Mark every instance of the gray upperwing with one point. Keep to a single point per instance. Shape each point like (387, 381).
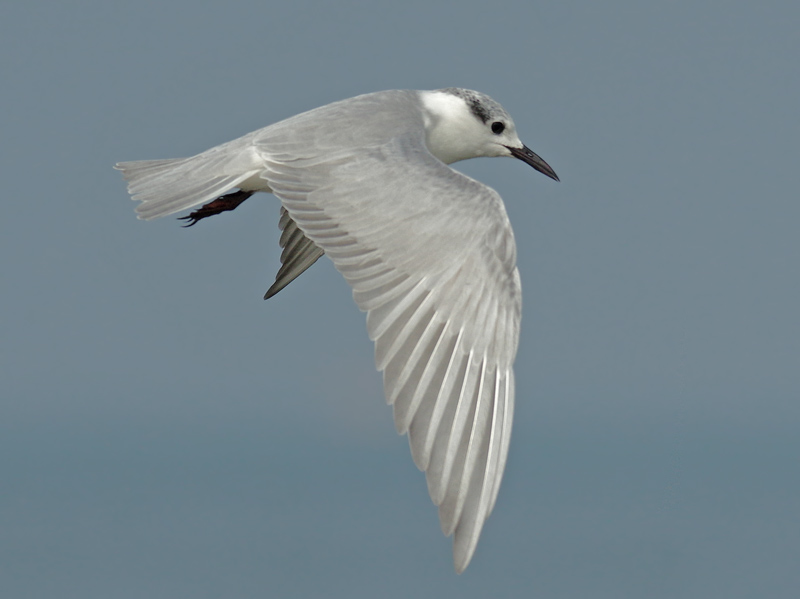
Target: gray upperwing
(299, 252)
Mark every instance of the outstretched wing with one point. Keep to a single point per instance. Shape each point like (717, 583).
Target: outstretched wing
(430, 256)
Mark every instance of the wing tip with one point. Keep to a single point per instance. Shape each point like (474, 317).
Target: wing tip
(462, 554)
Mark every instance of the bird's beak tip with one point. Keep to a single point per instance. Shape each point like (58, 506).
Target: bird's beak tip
(528, 156)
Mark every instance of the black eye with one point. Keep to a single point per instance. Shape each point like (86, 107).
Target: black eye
(498, 127)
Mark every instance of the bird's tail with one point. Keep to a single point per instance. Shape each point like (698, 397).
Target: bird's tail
(167, 186)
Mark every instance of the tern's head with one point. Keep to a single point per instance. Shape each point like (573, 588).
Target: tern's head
(462, 123)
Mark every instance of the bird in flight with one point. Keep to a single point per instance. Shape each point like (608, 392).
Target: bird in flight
(428, 252)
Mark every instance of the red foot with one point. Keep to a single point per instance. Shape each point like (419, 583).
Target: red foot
(222, 204)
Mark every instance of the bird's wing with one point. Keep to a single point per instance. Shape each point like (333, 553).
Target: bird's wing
(299, 252)
(430, 256)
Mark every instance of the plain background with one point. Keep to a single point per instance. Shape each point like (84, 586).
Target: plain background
(164, 432)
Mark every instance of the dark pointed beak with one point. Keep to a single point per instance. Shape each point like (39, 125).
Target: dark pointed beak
(530, 157)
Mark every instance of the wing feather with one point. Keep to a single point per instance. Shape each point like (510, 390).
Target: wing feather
(483, 451)
(468, 471)
(425, 426)
(402, 396)
(298, 254)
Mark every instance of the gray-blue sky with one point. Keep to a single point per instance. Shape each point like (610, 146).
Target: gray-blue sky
(166, 433)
